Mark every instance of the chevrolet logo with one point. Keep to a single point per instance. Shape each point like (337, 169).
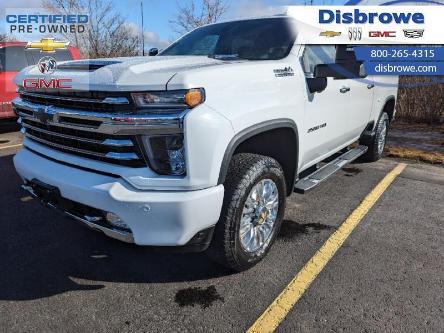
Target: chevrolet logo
(43, 115)
(330, 33)
(48, 45)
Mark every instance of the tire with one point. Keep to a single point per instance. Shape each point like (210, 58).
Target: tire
(377, 144)
(247, 175)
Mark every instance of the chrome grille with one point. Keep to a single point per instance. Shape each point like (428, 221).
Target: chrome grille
(121, 150)
(84, 100)
(89, 124)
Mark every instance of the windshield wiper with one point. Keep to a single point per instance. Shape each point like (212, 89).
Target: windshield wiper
(225, 56)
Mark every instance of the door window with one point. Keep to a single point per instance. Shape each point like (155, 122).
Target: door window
(317, 54)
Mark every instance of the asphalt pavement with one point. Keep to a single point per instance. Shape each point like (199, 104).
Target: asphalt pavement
(57, 276)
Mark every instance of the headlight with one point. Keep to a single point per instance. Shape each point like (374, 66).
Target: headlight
(166, 154)
(170, 99)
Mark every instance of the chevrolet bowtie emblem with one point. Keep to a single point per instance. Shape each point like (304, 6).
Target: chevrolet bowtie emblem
(330, 33)
(48, 45)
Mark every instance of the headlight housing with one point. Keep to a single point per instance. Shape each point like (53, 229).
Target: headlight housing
(173, 99)
(166, 154)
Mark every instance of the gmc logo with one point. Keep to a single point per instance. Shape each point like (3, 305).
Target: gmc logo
(36, 83)
(382, 34)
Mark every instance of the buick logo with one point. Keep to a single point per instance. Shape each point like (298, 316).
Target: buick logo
(355, 33)
(413, 33)
(47, 65)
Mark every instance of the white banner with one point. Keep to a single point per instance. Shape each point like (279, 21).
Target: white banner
(369, 24)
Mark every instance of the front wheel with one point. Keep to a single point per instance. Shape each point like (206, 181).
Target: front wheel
(377, 144)
(252, 212)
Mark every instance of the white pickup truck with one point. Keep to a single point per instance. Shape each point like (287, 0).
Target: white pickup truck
(198, 147)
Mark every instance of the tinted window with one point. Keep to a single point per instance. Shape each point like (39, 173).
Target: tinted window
(33, 56)
(12, 59)
(317, 54)
(15, 58)
(261, 39)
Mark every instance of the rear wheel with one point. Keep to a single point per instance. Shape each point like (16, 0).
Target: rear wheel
(252, 212)
(377, 143)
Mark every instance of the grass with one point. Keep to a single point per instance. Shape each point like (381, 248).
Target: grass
(415, 154)
(419, 127)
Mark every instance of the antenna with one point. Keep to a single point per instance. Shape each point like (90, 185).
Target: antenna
(143, 30)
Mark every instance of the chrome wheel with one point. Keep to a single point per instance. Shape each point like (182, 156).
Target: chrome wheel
(259, 216)
(382, 138)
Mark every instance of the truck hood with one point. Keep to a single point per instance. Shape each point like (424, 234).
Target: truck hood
(121, 74)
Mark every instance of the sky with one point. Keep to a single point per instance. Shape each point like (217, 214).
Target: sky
(158, 13)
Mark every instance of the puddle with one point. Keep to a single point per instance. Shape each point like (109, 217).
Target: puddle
(198, 296)
(352, 171)
(291, 230)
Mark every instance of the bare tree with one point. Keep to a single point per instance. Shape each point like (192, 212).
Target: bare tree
(189, 17)
(106, 34)
(7, 38)
(420, 99)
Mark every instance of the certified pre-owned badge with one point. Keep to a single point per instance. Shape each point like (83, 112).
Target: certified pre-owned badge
(355, 33)
(413, 33)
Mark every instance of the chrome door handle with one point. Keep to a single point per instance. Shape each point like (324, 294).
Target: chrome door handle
(370, 86)
(343, 90)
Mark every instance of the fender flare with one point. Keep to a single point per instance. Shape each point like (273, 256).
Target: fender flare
(251, 131)
(388, 99)
(369, 131)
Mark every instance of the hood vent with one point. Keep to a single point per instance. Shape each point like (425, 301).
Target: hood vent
(86, 65)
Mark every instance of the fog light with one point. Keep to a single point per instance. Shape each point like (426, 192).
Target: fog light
(166, 154)
(116, 221)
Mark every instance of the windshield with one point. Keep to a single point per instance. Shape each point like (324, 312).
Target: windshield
(259, 39)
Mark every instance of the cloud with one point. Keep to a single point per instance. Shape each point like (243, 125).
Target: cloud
(152, 39)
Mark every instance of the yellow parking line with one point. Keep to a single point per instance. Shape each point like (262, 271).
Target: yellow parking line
(9, 147)
(280, 307)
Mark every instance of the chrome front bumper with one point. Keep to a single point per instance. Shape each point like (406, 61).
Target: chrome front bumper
(153, 218)
(87, 220)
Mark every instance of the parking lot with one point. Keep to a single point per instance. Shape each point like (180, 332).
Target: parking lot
(388, 276)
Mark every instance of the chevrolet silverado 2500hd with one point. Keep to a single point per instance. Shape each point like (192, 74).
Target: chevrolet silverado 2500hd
(199, 146)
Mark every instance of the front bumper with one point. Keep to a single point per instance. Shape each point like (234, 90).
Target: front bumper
(155, 218)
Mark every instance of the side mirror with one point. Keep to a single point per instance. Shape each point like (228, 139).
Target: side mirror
(325, 70)
(153, 52)
(316, 84)
(340, 70)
